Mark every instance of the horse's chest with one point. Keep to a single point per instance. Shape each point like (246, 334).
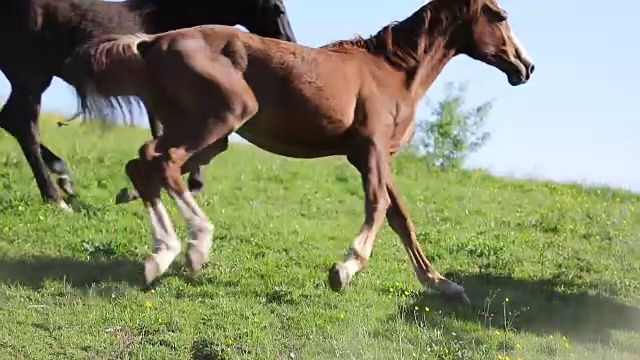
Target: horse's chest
(403, 125)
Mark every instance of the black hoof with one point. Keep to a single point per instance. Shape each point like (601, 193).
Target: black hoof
(336, 279)
(195, 185)
(125, 195)
(66, 185)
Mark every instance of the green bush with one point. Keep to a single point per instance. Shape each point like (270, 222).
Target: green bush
(452, 132)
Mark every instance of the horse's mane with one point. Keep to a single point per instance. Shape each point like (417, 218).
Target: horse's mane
(403, 43)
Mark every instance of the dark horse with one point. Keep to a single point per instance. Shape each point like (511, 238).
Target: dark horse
(354, 98)
(43, 33)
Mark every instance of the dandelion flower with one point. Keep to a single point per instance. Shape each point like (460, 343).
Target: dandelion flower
(147, 304)
(229, 342)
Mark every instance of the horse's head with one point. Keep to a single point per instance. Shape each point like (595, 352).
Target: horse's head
(485, 35)
(270, 20)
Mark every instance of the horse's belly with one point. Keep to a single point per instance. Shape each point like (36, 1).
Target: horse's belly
(299, 139)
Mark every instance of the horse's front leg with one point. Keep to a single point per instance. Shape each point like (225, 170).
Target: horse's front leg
(371, 161)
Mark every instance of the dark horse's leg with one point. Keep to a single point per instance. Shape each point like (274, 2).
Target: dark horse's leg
(194, 180)
(19, 116)
(57, 166)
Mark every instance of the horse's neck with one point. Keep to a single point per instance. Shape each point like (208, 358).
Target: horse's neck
(430, 45)
(430, 66)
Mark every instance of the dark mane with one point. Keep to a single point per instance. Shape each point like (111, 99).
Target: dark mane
(403, 43)
(87, 19)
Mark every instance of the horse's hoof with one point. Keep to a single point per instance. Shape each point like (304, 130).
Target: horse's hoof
(66, 208)
(196, 259)
(125, 195)
(339, 277)
(453, 292)
(151, 270)
(195, 186)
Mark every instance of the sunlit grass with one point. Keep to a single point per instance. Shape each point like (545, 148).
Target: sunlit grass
(552, 270)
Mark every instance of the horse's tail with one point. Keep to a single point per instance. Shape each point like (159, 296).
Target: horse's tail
(108, 73)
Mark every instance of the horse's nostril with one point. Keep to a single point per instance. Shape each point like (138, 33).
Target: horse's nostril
(532, 68)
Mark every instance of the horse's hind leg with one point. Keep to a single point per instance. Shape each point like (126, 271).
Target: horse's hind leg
(200, 227)
(157, 168)
(146, 175)
(126, 195)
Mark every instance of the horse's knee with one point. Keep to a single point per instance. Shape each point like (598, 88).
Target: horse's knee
(144, 179)
(195, 182)
(148, 150)
(131, 168)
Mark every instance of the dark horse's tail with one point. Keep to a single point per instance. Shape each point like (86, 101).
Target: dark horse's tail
(108, 74)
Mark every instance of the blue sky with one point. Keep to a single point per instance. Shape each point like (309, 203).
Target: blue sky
(574, 121)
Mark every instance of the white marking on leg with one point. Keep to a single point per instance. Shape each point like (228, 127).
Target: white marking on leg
(200, 227)
(63, 205)
(166, 245)
(355, 257)
(360, 251)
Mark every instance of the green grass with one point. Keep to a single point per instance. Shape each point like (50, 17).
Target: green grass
(566, 258)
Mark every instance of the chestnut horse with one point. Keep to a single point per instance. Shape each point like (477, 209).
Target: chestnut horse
(355, 98)
(38, 35)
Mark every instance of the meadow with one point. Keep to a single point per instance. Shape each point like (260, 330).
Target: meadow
(552, 270)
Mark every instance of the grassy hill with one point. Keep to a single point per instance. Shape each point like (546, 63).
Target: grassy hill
(553, 271)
